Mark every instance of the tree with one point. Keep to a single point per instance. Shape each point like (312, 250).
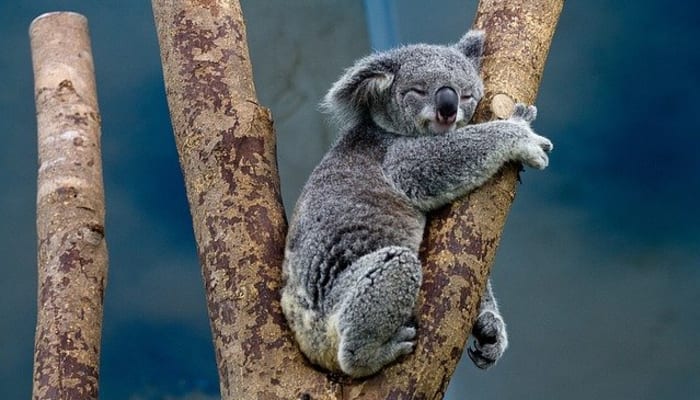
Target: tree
(226, 146)
(227, 152)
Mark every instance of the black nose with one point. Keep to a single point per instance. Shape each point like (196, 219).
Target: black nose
(446, 103)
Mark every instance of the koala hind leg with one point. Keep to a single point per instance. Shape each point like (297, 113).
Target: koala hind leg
(375, 317)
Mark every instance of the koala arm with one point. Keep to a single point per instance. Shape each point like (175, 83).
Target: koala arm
(434, 170)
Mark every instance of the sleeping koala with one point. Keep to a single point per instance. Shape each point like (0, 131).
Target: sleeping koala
(351, 266)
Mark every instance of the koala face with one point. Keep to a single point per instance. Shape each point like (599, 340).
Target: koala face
(435, 90)
(412, 90)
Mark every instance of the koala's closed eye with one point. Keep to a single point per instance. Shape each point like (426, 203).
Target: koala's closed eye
(466, 96)
(416, 90)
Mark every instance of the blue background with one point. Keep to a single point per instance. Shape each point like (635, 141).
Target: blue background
(598, 273)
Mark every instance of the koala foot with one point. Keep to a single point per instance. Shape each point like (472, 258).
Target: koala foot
(490, 339)
(375, 322)
(364, 359)
(532, 149)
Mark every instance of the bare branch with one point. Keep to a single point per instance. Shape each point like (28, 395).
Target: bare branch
(72, 254)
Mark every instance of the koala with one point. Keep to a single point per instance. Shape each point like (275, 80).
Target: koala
(351, 267)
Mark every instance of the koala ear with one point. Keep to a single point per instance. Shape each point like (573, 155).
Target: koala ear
(350, 97)
(472, 46)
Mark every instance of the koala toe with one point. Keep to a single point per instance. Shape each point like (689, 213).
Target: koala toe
(405, 333)
(546, 144)
(519, 111)
(524, 112)
(530, 114)
(403, 348)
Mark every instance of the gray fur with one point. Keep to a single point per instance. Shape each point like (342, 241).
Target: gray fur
(351, 262)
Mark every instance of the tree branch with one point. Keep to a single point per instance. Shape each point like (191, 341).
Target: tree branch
(226, 146)
(72, 254)
(227, 153)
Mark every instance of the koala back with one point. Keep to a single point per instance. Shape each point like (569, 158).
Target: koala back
(347, 209)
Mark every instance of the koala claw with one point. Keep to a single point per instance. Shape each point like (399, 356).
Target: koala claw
(490, 340)
(404, 348)
(524, 112)
(545, 144)
(405, 333)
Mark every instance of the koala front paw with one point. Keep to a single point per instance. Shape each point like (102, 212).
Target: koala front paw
(534, 151)
(524, 112)
(490, 340)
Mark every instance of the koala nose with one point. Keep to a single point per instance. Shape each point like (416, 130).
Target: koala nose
(446, 104)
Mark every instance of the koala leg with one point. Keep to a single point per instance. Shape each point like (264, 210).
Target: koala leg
(489, 331)
(375, 317)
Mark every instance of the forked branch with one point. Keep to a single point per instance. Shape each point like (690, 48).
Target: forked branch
(227, 152)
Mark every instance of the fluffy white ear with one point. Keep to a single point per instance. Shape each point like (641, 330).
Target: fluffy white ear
(350, 97)
(472, 46)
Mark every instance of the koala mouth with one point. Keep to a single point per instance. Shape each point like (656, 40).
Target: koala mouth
(446, 120)
(430, 121)
(439, 125)
(443, 126)
(434, 125)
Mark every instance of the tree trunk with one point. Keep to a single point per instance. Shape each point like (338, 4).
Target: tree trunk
(227, 152)
(226, 146)
(72, 254)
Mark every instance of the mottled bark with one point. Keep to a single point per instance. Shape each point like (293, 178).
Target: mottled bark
(226, 146)
(72, 254)
(227, 152)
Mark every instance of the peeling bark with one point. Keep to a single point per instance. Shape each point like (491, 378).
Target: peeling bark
(72, 253)
(227, 152)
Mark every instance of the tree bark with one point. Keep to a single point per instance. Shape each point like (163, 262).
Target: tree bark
(227, 152)
(72, 253)
(226, 147)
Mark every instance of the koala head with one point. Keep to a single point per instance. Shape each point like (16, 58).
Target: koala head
(412, 90)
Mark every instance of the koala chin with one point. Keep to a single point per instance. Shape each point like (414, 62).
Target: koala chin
(405, 147)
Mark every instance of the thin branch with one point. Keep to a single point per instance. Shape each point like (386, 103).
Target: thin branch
(72, 253)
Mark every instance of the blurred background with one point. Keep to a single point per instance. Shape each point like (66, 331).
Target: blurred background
(598, 273)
